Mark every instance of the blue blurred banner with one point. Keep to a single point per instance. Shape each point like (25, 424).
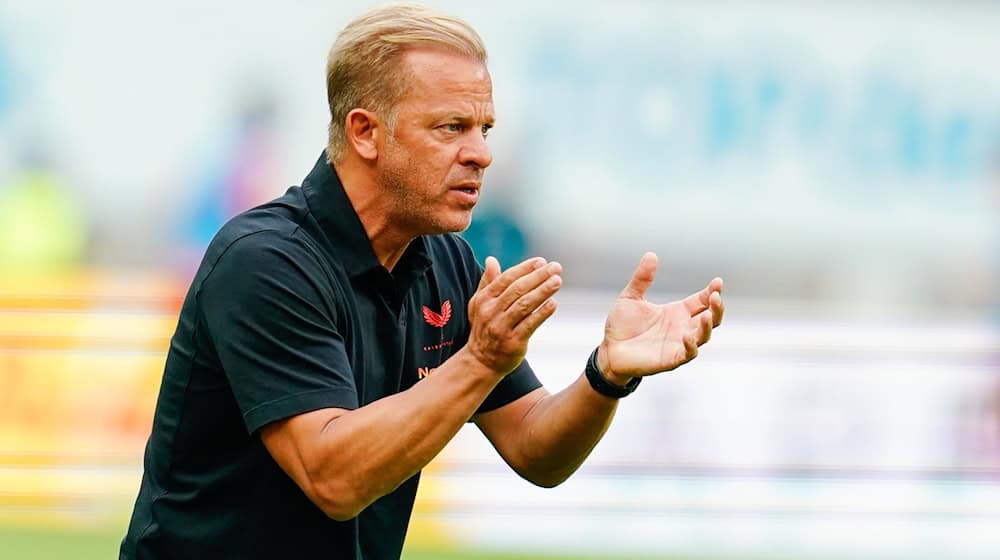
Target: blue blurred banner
(808, 151)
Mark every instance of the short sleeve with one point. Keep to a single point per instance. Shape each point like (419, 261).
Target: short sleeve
(267, 307)
(518, 383)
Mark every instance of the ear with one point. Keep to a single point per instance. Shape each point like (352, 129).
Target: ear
(362, 128)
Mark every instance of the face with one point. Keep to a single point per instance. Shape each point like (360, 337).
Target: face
(431, 164)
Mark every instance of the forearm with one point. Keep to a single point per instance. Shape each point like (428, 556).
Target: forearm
(560, 431)
(346, 459)
(545, 438)
(366, 453)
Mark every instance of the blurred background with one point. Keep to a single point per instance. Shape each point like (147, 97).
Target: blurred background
(838, 164)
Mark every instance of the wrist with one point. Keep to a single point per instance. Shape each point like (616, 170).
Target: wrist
(602, 383)
(607, 372)
(479, 365)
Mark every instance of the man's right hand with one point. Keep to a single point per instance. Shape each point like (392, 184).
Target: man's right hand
(507, 308)
(346, 459)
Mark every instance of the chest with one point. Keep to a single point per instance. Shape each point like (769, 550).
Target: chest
(395, 340)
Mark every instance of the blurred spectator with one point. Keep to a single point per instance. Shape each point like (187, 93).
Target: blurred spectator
(41, 226)
(239, 174)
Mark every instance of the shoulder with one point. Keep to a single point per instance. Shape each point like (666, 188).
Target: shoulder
(254, 252)
(269, 247)
(275, 223)
(265, 275)
(274, 230)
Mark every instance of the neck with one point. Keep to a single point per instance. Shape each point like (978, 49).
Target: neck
(374, 211)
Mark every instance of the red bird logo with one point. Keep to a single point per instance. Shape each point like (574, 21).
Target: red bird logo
(438, 319)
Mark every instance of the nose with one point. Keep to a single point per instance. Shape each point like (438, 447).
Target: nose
(475, 152)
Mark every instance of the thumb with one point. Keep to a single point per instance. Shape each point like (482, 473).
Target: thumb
(642, 278)
(490, 273)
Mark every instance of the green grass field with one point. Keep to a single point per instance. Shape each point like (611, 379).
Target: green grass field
(49, 544)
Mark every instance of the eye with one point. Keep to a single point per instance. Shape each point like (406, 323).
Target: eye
(454, 127)
(486, 130)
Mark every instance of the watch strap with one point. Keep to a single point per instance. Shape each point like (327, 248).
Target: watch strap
(601, 383)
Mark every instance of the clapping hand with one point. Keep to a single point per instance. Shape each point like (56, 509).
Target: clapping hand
(642, 338)
(507, 308)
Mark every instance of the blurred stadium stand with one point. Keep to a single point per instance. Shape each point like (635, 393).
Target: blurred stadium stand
(838, 165)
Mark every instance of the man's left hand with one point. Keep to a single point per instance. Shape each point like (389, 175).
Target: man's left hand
(642, 338)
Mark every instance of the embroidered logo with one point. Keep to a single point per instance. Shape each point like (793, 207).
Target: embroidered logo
(438, 319)
(424, 372)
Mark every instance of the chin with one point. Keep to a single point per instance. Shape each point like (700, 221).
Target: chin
(436, 221)
(456, 228)
(454, 224)
(452, 227)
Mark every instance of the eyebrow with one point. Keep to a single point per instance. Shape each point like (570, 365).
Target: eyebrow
(490, 121)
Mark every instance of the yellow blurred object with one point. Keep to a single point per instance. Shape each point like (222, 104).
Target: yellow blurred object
(41, 228)
(87, 289)
(22, 330)
(56, 406)
(81, 358)
(427, 529)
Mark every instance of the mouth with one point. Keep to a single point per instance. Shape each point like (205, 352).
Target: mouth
(469, 192)
(468, 188)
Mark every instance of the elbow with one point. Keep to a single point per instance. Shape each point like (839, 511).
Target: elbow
(543, 472)
(341, 512)
(337, 499)
(543, 478)
(549, 481)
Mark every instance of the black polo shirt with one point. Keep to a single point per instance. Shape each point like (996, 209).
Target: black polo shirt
(291, 312)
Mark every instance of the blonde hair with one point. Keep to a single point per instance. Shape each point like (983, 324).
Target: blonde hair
(364, 69)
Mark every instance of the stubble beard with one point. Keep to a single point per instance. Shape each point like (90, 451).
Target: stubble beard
(412, 211)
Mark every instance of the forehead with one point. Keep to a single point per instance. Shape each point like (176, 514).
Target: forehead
(441, 75)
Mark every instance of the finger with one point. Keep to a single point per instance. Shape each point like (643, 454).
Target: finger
(526, 284)
(691, 347)
(501, 282)
(716, 285)
(703, 327)
(718, 308)
(490, 272)
(699, 301)
(530, 324)
(529, 302)
(642, 278)
(686, 351)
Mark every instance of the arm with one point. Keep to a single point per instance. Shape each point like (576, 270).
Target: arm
(545, 438)
(345, 460)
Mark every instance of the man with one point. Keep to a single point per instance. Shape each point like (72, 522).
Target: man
(334, 340)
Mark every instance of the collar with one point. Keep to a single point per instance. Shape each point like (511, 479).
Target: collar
(328, 202)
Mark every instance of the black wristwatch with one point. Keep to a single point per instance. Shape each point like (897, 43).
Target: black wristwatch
(602, 385)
